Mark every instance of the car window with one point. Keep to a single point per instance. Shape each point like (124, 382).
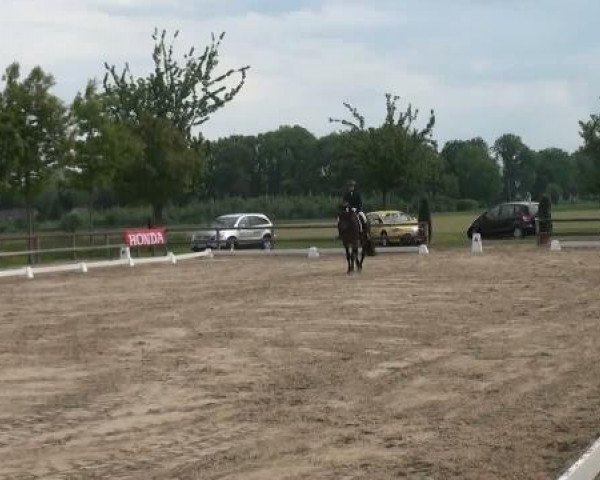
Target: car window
(244, 222)
(507, 211)
(257, 221)
(493, 213)
(533, 209)
(373, 219)
(224, 222)
(392, 218)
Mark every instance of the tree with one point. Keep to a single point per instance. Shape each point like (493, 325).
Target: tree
(336, 164)
(477, 173)
(100, 145)
(518, 165)
(165, 168)
(590, 132)
(288, 158)
(231, 166)
(32, 132)
(390, 154)
(179, 96)
(554, 166)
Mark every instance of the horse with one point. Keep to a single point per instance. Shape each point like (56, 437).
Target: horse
(351, 236)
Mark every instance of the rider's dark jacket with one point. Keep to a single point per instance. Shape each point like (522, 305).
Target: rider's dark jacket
(353, 199)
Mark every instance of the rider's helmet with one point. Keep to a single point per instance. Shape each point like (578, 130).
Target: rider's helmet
(351, 184)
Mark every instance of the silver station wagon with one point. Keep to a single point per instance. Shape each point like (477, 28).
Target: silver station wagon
(236, 230)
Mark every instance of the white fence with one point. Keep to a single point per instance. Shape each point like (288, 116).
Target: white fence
(127, 260)
(83, 267)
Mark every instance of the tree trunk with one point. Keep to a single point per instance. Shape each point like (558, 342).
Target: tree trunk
(90, 211)
(157, 215)
(384, 198)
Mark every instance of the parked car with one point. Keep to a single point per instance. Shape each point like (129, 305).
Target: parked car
(394, 226)
(237, 230)
(512, 219)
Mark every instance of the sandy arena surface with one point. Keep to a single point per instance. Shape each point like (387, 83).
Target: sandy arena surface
(447, 366)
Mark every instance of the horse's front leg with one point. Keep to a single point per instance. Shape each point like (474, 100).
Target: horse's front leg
(362, 258)
(349, 259)
(355, 257)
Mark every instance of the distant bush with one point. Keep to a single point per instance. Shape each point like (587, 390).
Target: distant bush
(71, 222)
(441, 203)
(466, 205)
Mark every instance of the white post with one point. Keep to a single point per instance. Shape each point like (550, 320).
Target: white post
(313, 252)
(555, 246)
(423, 250)
(476, 244)
(173, 258)
(29, 272)
(84, 268)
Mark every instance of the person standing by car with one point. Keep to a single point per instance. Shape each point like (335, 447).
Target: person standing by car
(353, 199)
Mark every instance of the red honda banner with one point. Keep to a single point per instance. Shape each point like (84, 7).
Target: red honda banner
(145, 237)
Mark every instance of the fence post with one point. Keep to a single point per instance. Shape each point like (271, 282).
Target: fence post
(218, 239)
(106, 243)
(424, 228)
(37, 248)
(74, 244)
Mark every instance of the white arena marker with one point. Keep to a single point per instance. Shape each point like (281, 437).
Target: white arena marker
(587, 467)
(131, 264)
(423, 250)
(125, 253)
(313, 252)
(476, 244)
(173, 258)
(555, 246)
(29, 272)
(83, 267)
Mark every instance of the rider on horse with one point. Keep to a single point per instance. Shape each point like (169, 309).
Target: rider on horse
(353, 200)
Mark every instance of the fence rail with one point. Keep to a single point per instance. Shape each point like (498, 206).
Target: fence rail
(59, 244)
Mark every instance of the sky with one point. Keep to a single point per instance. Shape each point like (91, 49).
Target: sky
(487, 67)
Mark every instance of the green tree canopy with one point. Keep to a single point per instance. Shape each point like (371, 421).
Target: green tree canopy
(477, 173)
(186, 94)
(32, 132)
(590, 132)
(518, 165)
(101, 145)
(167, 106)
(391, 154)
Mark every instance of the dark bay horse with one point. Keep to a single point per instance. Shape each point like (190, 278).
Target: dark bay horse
(351, 236)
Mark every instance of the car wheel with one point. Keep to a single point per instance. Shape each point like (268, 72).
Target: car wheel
(231, 242)
(518, 232)
(383, 239)
(267, 242)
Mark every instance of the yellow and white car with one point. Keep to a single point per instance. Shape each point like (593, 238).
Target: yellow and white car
(394, 226)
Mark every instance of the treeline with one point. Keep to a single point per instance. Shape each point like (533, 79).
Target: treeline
(132, 146)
